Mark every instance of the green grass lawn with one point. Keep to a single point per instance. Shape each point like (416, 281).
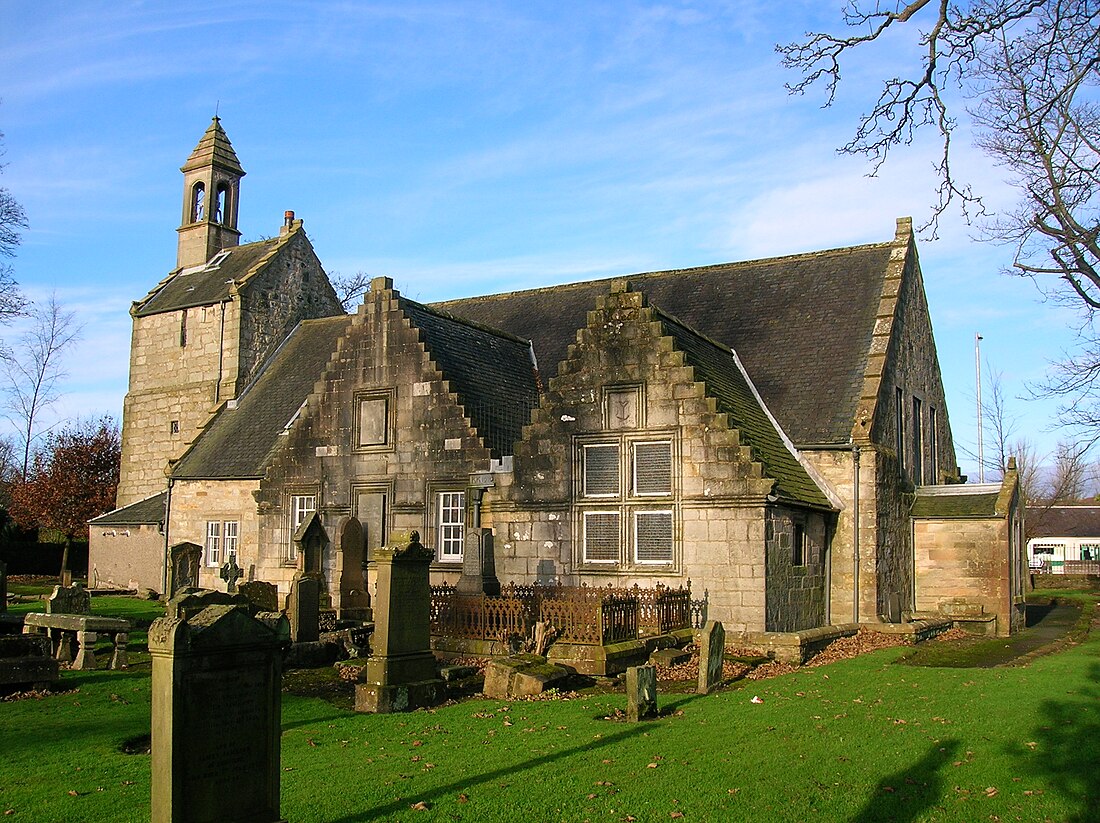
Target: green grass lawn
(861, 740)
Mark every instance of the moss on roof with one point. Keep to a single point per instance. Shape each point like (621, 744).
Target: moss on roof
(976, 504)
(716, 367)
(238, 442)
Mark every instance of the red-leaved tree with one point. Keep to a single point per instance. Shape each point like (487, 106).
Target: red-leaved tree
(72, 479)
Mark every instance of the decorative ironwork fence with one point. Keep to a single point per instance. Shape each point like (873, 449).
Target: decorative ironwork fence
(588, 615)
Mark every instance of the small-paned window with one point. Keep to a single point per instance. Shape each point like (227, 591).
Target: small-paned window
(373, 421)
(918, 442)
(213, 543)
(301, 507)
(653, 468)
(601, 470)
(798, 546)
(653, 537)
(601, 537)
(229, 534)
(452, 520)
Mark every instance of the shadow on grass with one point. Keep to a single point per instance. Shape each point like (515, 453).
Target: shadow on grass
(1065, 751)
(907, 793)
(387, 811)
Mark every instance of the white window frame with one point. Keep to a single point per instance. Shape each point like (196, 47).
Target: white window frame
(299, 511)
(213, 543)
(231, 538)
(584, 470)
(451, 525)
(616, 513)
(671, 542)
(634, 444)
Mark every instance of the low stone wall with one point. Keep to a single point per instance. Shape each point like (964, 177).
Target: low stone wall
(1086, 582)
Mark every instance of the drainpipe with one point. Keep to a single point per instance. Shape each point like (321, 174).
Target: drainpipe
(855, 533)
(167, 520)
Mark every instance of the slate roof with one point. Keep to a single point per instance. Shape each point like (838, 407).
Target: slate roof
(715, 366)
(149, 511)
(964, 501)
(801, 325)
(492, 373)
(1063, 521)
(210, 284)
(238, 441)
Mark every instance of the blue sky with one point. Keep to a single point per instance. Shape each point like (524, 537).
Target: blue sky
(474, 147)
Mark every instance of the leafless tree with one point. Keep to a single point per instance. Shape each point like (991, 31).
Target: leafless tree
(1028, 468)
(350, 289)
(1067, 478)
(964, 46)
(12, 220)
(32, 371)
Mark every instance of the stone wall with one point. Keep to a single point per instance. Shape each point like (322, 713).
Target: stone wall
(195, 502)
(430, 446)
(292, 287)
(126, 557)
(795, 594)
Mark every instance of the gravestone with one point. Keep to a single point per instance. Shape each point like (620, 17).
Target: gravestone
(183, 567)
(189, 602)
(401, 673)
(3, 586)
(641, 692)
(479, 574)
(310, 540)
(216, 718)
(303, 608)
(231, 573)
(262, 595)
(712, 650)
(69, 600)
(354, 600)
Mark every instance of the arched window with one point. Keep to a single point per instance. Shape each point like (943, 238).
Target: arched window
(220, 203)
(198, 202)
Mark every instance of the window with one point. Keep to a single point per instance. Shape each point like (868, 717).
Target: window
(601, 470)
(174, 427)
(301, 507)
(198, 202)
(652, 468)
(601, 537)
(229, 534)
(621, 525)
(183, 328)
(452, 520)
(918, 443)
(653, 537)
(798, 546)
(221, 541)
(899, 415)
(933, 444)
(213, 543)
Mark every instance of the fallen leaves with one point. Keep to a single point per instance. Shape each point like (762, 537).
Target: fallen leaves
(420, 806)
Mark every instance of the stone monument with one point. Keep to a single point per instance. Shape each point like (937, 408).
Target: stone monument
(3, 587)
(231, 573)
(479, 574)
(401, 673)
(354, 600)
(262, 595)
(69, 600)
(216, 718)
(712, 651)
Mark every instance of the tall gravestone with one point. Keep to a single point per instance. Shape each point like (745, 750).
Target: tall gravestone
(354, 600)
(3, 586)
(401, 673)
(479, 574)
(712, 651)
(216, 718)
(262, 595)
(69, 600)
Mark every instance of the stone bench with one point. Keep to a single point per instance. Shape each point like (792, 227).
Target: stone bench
(81, 631)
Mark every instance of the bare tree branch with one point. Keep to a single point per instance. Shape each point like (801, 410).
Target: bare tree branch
(350, 289)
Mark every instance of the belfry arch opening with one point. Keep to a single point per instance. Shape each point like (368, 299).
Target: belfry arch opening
(198, 202)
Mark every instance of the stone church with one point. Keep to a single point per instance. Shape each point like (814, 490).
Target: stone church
(773, 431)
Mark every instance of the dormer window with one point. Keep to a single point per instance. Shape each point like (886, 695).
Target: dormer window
(198, 202)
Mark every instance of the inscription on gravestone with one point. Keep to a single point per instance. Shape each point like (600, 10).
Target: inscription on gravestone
(216, 718)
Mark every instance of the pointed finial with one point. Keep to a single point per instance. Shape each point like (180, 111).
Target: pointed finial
(217, 105)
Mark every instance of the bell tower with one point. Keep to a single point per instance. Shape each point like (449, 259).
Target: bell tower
(211, 191)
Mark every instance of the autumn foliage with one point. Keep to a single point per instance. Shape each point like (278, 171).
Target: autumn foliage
(71, 480)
